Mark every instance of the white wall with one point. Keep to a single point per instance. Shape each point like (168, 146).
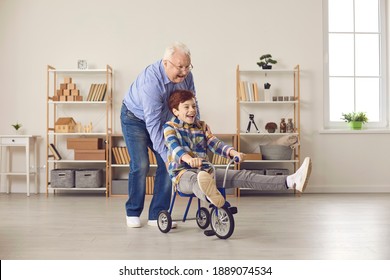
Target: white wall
(128, 35)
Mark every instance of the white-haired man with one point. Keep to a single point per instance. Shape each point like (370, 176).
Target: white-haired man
(143, 113)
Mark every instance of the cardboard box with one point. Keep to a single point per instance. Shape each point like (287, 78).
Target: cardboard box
(85, 143)
(253, 156)
(71, 86)
(90, 154)
(74, 92)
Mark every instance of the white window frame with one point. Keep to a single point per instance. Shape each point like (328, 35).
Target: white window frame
(383, 98)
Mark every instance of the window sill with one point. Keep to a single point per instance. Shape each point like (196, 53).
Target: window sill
(352, 131)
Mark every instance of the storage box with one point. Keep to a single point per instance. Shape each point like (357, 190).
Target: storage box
(258, 171)
(119, 187)
(89, 178)
(276, 171)
(90, 154)
(276, 152)
(62, 178)
(84, 143)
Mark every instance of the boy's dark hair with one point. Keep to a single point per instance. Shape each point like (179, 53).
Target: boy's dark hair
(179, 96)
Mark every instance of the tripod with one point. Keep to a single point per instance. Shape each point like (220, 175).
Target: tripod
(248, 129)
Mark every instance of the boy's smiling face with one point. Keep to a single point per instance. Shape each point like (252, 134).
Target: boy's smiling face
(186, 111)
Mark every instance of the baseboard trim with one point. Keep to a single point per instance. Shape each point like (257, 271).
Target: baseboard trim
(348, 189)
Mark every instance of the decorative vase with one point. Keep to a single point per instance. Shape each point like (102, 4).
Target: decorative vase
(355, 125)
(267, 95)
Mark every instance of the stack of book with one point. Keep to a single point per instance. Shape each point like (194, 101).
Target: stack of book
(217, 159)
(149, 184)
(120, 155)
(249, 91)
(97, 92)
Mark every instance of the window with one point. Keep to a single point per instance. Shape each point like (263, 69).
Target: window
(355, 61)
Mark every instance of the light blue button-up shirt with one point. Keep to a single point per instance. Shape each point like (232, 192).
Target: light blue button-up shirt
(148, 97)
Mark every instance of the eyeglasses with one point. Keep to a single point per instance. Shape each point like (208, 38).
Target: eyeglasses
(182, 68)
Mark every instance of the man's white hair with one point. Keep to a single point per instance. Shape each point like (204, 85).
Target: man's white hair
(176, 46)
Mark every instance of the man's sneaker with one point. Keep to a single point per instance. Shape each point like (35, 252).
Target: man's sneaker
(153, 223)
(299, 179)
(133, 222)
(207, 185)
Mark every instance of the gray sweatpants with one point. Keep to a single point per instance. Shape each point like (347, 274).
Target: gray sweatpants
(235, 178)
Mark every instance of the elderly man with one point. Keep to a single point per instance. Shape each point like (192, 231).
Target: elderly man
(143, 113)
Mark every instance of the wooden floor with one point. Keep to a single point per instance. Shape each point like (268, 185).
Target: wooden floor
(271, 227)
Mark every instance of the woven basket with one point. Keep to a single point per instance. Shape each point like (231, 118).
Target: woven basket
(275, 152)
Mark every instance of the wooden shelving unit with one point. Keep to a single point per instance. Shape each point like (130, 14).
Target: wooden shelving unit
(285, 82)
(99, 113)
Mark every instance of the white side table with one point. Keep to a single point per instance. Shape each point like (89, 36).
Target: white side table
(30, 144)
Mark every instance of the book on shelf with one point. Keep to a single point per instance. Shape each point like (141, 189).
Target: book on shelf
(97, 92)
(116, 155)
(255, 92)
(120, 155)
(152, 157)
(149, 184)
(248, 91)
(55, 152)
(125, 155)
(91, 89)
(217, 159)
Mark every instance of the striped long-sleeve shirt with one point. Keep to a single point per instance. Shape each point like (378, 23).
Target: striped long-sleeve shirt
(193, 139)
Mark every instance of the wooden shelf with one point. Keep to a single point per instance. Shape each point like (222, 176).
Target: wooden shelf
(101, 111)
(266, 111)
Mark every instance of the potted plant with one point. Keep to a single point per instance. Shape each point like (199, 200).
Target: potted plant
(17, 126)
(355, 119)
(266, 61)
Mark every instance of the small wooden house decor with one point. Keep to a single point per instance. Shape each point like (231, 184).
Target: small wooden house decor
(65, 125)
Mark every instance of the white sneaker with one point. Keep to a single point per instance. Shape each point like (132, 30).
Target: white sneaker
(153, 223)
(299, 179)
(133, 222)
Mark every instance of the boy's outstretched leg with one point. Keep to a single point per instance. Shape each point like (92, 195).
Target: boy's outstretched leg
(300, 178)
(209, 188)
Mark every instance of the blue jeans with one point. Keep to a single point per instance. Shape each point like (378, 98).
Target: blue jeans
(137, 141)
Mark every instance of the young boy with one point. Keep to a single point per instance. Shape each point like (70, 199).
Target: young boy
(188, 141)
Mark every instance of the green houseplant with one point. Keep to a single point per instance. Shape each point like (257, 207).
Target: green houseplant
(355, 119)
(17, 126)
(266, 61)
